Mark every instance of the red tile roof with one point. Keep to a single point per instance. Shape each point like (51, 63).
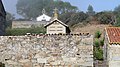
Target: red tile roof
(113, 34)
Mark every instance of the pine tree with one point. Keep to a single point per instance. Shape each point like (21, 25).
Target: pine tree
(90, 11)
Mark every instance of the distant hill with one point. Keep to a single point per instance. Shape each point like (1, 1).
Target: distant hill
(89, 28)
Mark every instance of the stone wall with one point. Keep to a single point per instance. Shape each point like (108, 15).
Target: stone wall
(47, 51)
(113, 55)
(28, 24)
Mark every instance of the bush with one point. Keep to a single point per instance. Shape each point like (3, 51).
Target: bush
(23, 31)
(117, 24)
(101, 42)
(96, 43)
(97, 34)
(98, 54)
(104, 17)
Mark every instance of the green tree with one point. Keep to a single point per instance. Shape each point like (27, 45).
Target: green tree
(117, 23)
(117, 15)
(72, 18)
(105, 17)
(30, 9)
(117, 10)
(90, 11)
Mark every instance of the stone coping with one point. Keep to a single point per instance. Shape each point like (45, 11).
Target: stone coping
(80, 34)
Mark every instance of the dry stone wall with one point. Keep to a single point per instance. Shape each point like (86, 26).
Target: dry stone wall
(47, 51)
(113, 55)
(28, 24)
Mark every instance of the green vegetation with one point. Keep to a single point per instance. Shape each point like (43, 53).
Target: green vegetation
(97, 34)
(30, 9)
(102, 42)
(23, 31)
(98, 44)
(117, 22)
(98, 54)
(90, 11)
(68, 13)
(105, 17)
(72, 18)
(117, 15)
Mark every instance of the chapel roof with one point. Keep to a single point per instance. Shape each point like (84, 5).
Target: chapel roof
(43, 17)
(57, 21)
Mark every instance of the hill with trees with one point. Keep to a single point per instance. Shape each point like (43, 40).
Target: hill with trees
(30, 9)
(77, 20)
(68, 13)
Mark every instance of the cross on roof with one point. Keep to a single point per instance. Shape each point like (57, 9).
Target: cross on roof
(43, 11)
(56, 13)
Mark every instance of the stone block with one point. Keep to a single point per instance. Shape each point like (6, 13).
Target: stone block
(11, 62)
(24, 60)
(27, 65)
(41, 60)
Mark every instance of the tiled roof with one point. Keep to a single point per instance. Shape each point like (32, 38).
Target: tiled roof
(56, 20)
(113, 34)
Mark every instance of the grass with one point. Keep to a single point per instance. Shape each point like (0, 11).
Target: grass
(23, 31)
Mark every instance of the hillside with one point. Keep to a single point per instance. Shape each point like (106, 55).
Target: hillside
(89, 28)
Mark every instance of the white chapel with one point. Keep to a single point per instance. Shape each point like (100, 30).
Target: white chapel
(43, 17)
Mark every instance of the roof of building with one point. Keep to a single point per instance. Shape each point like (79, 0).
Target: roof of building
(113, 34)
(43, 17)
(54, 21)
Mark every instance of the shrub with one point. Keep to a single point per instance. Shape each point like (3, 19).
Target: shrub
(23, 31)
(101, 42)
(97, 34)
(96, 43)
(98, 54)
(117, 24)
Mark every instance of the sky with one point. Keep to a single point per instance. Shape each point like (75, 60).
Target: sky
(98, 5)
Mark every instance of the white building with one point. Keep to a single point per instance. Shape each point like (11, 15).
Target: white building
(56, 26)
(112, 46)
(40, 21)
(43, 17)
